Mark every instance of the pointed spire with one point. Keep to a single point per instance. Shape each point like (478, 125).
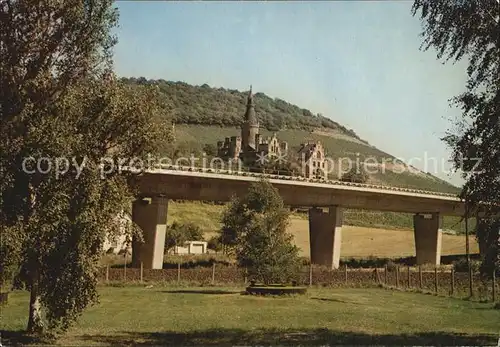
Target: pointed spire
(250, 113)
(250, 96)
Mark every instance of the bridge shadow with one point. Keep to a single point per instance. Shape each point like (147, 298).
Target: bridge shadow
(20, 338)
(232, 337)
(201, 291)
(335, 300)
(305, 337)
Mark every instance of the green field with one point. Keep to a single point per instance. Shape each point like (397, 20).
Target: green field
(208, 216)
(222, 316)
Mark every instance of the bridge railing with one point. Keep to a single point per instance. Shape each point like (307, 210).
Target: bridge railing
(281, 175)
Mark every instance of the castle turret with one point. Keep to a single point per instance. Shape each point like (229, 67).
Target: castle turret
(250, 126)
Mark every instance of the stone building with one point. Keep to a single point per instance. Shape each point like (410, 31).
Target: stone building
(250, 146)
(273, 147)
(230, 148)
(312, 160)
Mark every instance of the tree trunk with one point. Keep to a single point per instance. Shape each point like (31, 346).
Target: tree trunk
(35, 322)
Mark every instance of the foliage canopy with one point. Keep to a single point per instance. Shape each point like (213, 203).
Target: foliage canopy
(256, 224)
(356, 174)
(62, 104)
(471, 30)
(178, 234)
(189, 104)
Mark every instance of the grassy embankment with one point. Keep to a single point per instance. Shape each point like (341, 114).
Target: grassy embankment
(367, 233)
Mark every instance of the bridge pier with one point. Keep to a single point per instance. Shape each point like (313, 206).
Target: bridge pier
(428, 238)
(151, 217)
(325, 236)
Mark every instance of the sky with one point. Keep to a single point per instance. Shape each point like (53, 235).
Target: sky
(356, 62)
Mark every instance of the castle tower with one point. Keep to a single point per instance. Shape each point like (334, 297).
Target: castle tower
(250, 126)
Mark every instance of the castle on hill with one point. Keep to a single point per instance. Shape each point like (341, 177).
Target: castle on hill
(250, 147)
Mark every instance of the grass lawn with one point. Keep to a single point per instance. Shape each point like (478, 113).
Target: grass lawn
(222, 316)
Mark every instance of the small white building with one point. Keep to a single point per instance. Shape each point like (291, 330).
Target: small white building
(192, 247)
(120, 242)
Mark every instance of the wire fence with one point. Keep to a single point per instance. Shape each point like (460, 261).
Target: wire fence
(410, 278)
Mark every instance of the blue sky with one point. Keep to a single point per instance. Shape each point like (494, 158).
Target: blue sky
(357, 62)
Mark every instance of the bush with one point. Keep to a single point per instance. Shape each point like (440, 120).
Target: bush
(215, 244)
(171, 261)
(258, 222)
(123, 252)
(178, 234)
(355, 175)
(461, 265)
(305, 261)
(391, 265)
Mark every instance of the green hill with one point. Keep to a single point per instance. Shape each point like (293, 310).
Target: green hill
(188, 104)
(205, 115)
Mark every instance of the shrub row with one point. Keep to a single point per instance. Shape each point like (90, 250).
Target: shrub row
(232, 275)
(171, 261)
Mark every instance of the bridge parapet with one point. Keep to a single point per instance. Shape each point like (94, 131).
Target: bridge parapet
(300, 179)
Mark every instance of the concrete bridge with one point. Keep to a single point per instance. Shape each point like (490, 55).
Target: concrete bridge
(326, 200)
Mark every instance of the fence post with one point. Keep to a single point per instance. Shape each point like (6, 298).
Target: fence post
(452, 281)
(420, 283)
(142, 270)
(493, 292)
(178, 272)
(107, 273)
(471, 290)
(310, 274)
(345, 272)
(125, 268)
(397, 276)
(213, 273)
(246, 276)
(409, 277)
(385, 275)
(377, 274)
(436, 279)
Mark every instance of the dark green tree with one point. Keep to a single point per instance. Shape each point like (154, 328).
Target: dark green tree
(471, 30)
(59, 99)
(258, 223)
(214, 243)
(233, 219)
(210, 149)
(356, 174)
